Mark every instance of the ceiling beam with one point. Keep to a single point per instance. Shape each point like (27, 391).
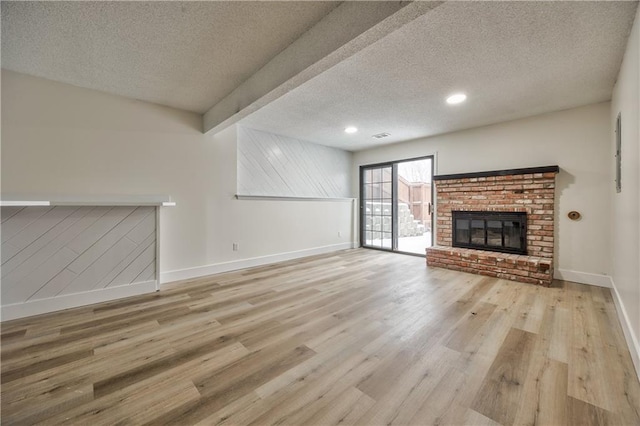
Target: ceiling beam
(346, 30)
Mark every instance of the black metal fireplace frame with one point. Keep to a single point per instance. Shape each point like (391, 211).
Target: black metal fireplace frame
(520, 217)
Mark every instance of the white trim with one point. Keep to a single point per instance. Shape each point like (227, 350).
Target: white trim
(583, 277)
(625, 322)
(106, 200)
(51, 304)
(355, 222)
(4, 203)
(288, 198)
(217, 268)
(157, 275)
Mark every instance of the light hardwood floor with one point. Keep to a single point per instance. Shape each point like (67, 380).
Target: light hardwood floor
(355, 337)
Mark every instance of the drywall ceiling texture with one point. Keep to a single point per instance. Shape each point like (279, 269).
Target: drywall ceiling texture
(513, 59)
(186, 55)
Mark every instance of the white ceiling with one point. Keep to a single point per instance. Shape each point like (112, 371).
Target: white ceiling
(513, 59)
(187, 55)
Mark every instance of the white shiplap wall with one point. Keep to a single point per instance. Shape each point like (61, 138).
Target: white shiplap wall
(279, 166)
(54, 252)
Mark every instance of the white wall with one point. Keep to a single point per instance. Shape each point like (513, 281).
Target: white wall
(577, 140)
(625, 224)
(59, 139)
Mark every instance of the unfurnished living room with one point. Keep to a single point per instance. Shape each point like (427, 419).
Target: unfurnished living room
(320, 213)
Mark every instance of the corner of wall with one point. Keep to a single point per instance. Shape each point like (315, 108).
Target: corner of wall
(625, 323)
(625, 205)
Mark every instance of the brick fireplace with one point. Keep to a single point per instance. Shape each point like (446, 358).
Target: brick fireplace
(530, 191)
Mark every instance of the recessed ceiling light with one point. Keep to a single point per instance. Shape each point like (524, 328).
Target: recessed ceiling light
(456, 98)
(351, 129)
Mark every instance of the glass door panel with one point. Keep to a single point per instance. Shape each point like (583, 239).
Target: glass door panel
(396, 206)
(377, 217)
(414, 205)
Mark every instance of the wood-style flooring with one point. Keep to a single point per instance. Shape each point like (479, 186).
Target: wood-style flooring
(354, 337)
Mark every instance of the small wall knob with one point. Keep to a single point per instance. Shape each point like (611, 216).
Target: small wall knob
(574, 215)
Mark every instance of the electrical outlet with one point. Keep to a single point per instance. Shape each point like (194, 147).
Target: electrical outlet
(339, 234)
(235, 246)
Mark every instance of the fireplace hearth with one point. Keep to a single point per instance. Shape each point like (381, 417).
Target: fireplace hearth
(504, 232)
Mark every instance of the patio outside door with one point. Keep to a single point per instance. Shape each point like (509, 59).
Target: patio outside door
(376, 207)
(396, 206)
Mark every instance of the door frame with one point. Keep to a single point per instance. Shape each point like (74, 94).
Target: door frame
(394, 202)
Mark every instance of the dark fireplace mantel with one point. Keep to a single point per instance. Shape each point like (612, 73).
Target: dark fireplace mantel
(504, 232)
(508, 172)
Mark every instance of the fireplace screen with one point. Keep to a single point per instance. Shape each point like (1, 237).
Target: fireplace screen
(495, 231)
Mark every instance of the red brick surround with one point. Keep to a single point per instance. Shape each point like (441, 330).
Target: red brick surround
(519, 191)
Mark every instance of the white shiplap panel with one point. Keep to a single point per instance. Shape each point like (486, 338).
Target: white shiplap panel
(92, 253)
(18, 222)
(148, 273)
(38, 240)
(27, 260)
(97, 270)
(131, 257)
(9, 212)
(135, 268)
(54, 285)
(42, 226)
(275, 165)
(39, 248)
(8, 252)
(21, 290)
(142, 230)
(54, 252)
(99, 228)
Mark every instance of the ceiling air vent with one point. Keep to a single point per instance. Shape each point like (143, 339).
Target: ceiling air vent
(381, 135)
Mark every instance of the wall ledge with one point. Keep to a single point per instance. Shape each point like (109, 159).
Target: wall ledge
(287, 198)
(106, 200)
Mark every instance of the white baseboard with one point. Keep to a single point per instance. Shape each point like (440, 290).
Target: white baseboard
(217, 268)
(58, 303)
(632, 341)
(583, 277)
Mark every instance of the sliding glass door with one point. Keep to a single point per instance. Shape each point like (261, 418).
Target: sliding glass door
(377, 206)
(396, 205)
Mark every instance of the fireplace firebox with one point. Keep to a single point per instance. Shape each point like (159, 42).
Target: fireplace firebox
(494, 231)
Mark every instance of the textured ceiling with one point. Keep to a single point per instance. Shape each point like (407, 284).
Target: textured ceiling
(187, 55)
(512, 59)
